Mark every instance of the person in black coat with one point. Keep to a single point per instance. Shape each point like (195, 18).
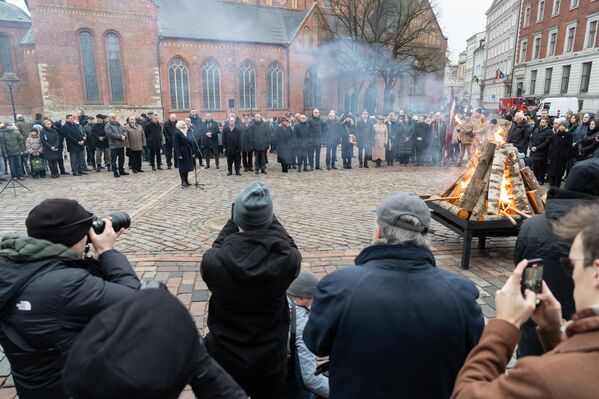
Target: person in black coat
(422, 138)
(315, 124)
(559, 153)
(332, 137)
(392, 138)
(49, 292)
(260, 134)
(194, 135)
(183, 152)
(247, 152)
(102, 144)
(348, 137)
(301, 135)
(519, 133)
(248, 270)
(540, 141)
(536, 239)
(154, 137)
(75, 138)
(169, 129)
(284, 137)
(210, 140)
(232, 146)
(396, 304)
(51, 142)
(364, 137)
(589, 145)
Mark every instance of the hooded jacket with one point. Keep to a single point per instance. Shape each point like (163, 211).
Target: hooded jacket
(47, 296)
(248, 274)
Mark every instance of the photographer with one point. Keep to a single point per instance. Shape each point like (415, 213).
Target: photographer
(48, 293)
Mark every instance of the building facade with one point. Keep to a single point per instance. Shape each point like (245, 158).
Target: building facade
(500, 44)
(478, 72)
(471, 80)
(558, 51)
(170, 56)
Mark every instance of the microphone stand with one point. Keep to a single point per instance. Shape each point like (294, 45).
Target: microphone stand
(195, 169)
(12, 180)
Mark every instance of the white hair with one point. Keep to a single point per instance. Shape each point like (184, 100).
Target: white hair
(519, 115)
(397, 236)
(181, 125)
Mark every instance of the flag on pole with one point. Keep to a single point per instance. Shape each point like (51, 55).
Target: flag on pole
(450, 123)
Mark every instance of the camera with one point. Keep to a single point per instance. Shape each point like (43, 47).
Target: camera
(120, 220)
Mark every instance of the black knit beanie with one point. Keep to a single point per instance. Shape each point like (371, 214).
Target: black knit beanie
(59, 220)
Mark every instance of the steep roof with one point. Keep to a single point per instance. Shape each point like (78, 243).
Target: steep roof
(12, 13)
(228, 21)
(28, 37)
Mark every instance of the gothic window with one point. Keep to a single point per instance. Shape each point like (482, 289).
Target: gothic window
(247, 86)
(5, 56)
(312, 88)
(211, 86)
(88, 61)
(115, 73)
(178, 76)
(275, 87)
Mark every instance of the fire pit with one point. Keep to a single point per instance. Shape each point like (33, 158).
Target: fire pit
(491, 197)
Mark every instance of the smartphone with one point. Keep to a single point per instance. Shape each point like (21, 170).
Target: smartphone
(533, 276)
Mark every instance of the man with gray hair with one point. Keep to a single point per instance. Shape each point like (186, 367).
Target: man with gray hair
(395, 325)
(519, 134)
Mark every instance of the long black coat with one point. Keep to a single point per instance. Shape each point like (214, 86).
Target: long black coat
(519, 136)
(422, 131)
(210, 127)
(332, 132)
(315, 131)
(98, 131)
(232, 139)
(285, 145)
(183, 151)
(51, 138)
(559, 153)
(588, 145)
(364, 133)
(260, 134)
(301, 134)
(62, 297)
(406, 134)
(404, 286)
(541, 139)
(347, 148)
(168, 130)
(153, 132)
(248, 274)
(73, 135)
(392, 140)
(246, 138)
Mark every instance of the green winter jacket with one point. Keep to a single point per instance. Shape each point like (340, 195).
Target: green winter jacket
(11, 142)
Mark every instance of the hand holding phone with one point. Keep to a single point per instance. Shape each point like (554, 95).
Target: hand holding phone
(532, 278)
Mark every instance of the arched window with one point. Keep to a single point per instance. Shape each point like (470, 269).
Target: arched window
(275, 87)
(371, 98)
(247, 86)
(307, 38)
(312, 88)
(350, 102)
(113, 50)
(389, 101)
(211, 86)
(178, 77)
(88, 62)
(5, 56)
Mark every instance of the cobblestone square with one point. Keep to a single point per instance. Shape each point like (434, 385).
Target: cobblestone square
(330, 214)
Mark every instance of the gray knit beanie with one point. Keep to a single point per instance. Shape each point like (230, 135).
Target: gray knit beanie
(304, 285)
(253, 207)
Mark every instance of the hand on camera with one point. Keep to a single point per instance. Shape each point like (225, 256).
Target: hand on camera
(105, 241)
(510, 305)
(549, 313)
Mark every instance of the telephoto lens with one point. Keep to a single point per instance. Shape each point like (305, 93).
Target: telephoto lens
(120, 220)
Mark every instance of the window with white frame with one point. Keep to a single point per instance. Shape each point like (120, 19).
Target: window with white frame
(570, 37)
(556, 6)
(574, 4)
(566, 69)
(591, 36)
(551, 43)
(541, 10)
(536, 50)
(585, 77)
(523, 48)
(548, 76)
(533, 82)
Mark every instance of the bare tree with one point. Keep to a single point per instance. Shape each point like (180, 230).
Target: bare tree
(386, 39)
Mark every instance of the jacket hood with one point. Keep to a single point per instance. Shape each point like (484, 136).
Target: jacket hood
(402, 255)
(21, 257)
(258, 255)
(560, 202)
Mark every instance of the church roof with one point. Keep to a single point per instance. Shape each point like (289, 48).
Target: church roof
(28, 37)
(228, 21)
(12, 13)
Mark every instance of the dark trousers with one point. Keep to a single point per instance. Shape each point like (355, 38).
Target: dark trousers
(331, 156)
(233, 158)
(404, 159)
(198, 156)
(247, 159)
(209, 152)
(260, 157)
(314, 156)
(78, 163)
(155, 158)
(61, 165)
(117, 159)
(168, 153)
(91, 156)
(135, 160)
(16, 165)
(363, 154)
(539, 168)
(53, 164)
(184, 177)
(25, 165)
(555, 181)
(302, 159)
(437, 155)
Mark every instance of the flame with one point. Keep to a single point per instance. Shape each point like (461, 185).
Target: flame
(506, 195)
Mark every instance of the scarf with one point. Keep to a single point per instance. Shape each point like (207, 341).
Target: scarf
(584, 321)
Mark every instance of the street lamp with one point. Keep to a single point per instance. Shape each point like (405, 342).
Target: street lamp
(11, 78)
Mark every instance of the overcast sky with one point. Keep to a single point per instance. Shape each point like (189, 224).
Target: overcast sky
(459, 20)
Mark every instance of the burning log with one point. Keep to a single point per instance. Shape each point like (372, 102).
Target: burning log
(481, 204)
(509, 217)
(518, 188)
(435, 198)
(530, 180)
(495, 179)
(461, 213)
(477, 183)
(519, 212)
(536, 201)
(452, 188)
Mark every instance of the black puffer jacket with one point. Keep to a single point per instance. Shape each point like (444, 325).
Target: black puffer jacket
(248, 274)
(541, 139)
(47, 296)
(315, 130)
(519, 136)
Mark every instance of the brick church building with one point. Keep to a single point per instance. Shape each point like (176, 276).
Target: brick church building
(169, 56)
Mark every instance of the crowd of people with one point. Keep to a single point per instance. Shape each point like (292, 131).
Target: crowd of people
(75, 321)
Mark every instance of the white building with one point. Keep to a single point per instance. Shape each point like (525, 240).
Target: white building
(470, 78)
(478, 72)
(500, 44)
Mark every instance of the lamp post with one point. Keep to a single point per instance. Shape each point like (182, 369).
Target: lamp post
(11, 78)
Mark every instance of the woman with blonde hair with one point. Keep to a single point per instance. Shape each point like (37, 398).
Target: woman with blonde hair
(183, 152)
(379, 141)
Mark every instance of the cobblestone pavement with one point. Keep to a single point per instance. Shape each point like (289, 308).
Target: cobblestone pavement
(330, 214)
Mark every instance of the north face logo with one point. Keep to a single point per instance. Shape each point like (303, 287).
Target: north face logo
(24, 305)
